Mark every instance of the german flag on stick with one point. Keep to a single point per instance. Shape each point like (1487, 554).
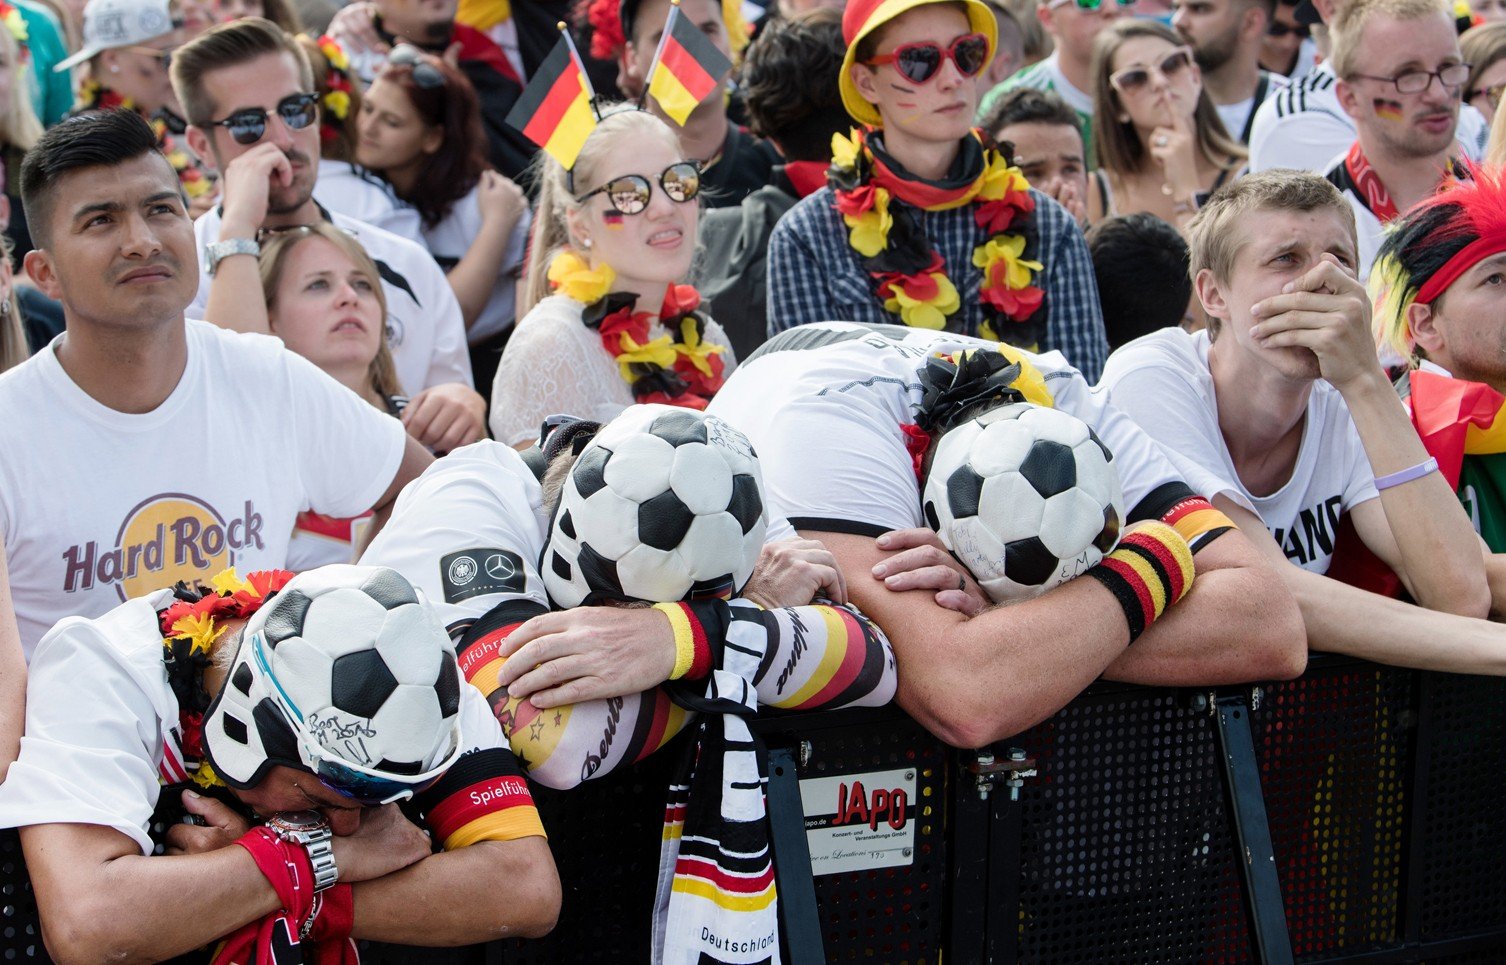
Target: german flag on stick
(554, 111)
(686, 67)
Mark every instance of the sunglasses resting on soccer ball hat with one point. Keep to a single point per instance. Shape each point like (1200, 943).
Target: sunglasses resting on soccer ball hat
(863, 17)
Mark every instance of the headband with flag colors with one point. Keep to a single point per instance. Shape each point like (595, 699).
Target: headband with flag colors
(555, 110)
(686, 67)
(1431, 246)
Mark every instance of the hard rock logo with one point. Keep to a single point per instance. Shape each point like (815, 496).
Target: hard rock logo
(164, 539)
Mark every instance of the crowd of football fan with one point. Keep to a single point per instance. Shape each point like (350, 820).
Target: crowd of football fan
(407, 402)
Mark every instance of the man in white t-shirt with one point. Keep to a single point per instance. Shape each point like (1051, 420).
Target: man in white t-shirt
(834, 410)
(1226, 36)
(137, 449)
(1281, 412)
(1400, 76)
(274, 791)
(245, 86)
(1305, 128)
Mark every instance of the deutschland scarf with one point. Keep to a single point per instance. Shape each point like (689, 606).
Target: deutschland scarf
(716, 901)
(882, 204)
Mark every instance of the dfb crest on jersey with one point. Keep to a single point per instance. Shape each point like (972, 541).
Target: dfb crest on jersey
(1026, 497)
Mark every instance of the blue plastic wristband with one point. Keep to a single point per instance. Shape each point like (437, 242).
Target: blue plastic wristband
(1407, 475)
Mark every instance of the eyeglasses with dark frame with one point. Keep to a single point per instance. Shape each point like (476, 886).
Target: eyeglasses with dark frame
(1278, 30)
(248, 126)
(1132, 79)
(420, 65)
(1417, 81)
(919, 62)
(630, 193)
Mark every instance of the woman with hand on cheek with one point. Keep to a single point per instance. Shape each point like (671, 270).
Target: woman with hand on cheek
(1160, 142)
(612, 240)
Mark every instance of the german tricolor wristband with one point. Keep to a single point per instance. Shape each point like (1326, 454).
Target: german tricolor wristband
(1149, 571)
(692, 649)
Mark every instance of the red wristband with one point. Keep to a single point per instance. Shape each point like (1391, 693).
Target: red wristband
(286, 866)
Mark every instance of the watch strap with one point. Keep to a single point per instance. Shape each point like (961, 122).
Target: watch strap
(217, 251)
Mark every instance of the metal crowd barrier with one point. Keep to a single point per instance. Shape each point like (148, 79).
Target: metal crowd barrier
(1354, 815)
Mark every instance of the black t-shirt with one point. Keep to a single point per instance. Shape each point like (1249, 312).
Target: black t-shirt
(745, 165)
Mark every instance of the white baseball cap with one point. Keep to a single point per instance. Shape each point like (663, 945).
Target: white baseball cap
(120, 23)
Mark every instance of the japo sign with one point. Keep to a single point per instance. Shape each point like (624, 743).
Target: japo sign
(859, 821)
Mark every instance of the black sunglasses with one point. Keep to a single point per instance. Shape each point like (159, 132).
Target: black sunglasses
(630, 193)
(425, 74)
(1278, 29)
(250, 125)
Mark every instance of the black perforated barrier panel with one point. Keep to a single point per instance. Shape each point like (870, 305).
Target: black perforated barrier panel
(1382, 789)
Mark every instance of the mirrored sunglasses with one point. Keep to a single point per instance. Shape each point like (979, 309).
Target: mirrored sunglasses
(248, 126)
(420, 64)
(1132, 79)
(919, 62)
(630, 193)
(1090, 4)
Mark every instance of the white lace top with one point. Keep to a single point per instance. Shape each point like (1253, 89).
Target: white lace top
(554, 364)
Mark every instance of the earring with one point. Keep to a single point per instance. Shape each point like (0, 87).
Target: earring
(5, 307)
(114, 68)
(585, 243)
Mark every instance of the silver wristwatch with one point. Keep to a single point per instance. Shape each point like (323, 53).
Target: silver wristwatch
(217, 251)
(309, 829)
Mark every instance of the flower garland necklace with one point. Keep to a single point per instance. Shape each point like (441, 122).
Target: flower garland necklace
(680, 368)
(879, 202)
(189, 632)
(94, 96)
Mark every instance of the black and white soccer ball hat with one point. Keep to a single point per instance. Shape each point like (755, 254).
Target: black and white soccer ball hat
(1027, 497)
(347, 673)
(664, 504)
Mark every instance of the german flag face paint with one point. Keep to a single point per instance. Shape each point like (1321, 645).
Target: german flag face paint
(1387, 109)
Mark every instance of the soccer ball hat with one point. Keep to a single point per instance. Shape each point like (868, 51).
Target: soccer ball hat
(348, 674)
(863, 17)
(664, 504)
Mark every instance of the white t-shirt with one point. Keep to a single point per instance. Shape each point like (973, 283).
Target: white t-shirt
(1304, 127)
(104, 766)
(359, 194)
(823, 405)
(449, 241)
(1235, 116)
(424, 327)
(1162, 381)
(98, 506)
(555, 364)
(470, 532)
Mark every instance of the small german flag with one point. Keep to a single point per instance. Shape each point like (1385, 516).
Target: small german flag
(554, 111)
(686, 68)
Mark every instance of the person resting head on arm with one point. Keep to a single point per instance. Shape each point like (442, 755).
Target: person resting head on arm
(292, 715)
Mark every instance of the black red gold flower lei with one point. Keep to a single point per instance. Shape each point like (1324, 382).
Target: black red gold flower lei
(189, 627)
(910, 275)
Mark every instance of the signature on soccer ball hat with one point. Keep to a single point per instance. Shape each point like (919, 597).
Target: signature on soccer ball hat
(664, 504)
(1026, 497)
(348, 674)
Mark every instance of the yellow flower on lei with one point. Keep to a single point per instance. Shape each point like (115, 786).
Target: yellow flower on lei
(229, 582)
(844, 150)
(337, 102)
(1008, 249)
(334, 53)
(696, 349)
(659, 351)
(571, 276)
(1000, 178)
(870, 230)
(205, 777)
(931, 313)
(1030, 381)
(199, 628)
(16, 25)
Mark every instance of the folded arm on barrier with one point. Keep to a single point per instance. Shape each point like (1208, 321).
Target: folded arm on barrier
(814, 657)
(973, 681)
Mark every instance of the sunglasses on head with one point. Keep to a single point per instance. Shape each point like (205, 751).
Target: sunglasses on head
(630, 193)
(919, 62)
(1132, 79)
(250, 125)
(1278, 30)
(1090, 4)
(425, 74)
(1491, 94)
